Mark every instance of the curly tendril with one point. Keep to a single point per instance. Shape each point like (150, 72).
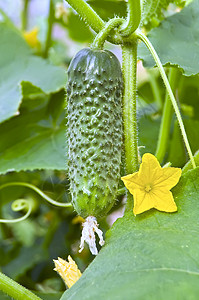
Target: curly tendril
(19, 205)
(24, 204)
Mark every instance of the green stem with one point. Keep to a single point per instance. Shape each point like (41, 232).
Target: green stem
(133, 18)
(155, 89)
(165, 125)
(141, 36)
(129, 52)
(38, 191)
(51, 18)
(129, 106)
(87, 14)
(24, 14)
(100, 38)
(15, 290)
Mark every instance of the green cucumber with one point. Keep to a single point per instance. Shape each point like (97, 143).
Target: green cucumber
(94, 94)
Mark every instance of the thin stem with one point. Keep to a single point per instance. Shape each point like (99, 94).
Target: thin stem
(141, 36)
(100, 38)
(15, 290)
(166, 117)
(129, 52)
(51, 18)
(133, 18)
(24, 14)
(87, 14)
(38, 191)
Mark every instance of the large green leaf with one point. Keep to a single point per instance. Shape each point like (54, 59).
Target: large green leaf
(176, 41)
(35, 139)
(17, 64)
(154, 255)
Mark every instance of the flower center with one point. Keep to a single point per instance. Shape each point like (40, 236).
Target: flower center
(148, 188)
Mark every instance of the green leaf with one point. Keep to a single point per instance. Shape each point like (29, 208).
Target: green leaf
(108, 9)
(151, 256)
(188, 165)
(26, 259)
(48, 296)
(177, 153)
(17, 64)
(35, 139)
(176, 41)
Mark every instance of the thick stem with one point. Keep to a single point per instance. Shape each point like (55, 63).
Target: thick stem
(51, 18)
(87, 14)
(133, 18)
(165, 125)
(129, 65)
(15, 290)
(24, 14)
(100, 38)
(141, 36)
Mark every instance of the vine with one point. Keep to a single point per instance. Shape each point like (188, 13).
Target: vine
(142, 37)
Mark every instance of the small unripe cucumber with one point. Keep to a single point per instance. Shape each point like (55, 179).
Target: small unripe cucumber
(94, 95)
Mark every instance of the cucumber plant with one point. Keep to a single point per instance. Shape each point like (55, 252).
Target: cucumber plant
(101, 116)
(95, 118)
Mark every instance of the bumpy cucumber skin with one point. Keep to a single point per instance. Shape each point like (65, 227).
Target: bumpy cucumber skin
(94, 95)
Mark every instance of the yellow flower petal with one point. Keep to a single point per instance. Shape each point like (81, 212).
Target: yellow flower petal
(151, 184)
(132, 182)
(169, 177)
(31, 38)
(142, 202)
(163, 200)
(67, 270)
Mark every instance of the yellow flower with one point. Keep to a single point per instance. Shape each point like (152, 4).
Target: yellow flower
(151, 185)
(67, 270)
(31, 38)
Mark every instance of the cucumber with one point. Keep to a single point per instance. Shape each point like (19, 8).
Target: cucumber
(95, 134)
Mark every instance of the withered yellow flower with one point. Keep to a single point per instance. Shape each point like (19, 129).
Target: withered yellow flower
(151, 185)
(31, 38)
(68, 271)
